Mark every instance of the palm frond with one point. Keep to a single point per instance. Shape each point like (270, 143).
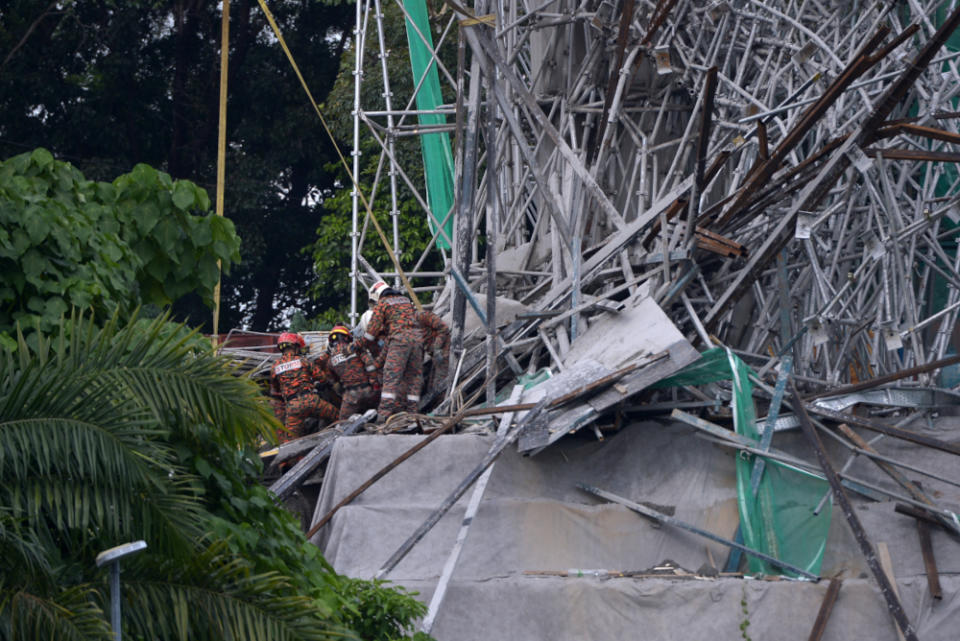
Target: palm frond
(20, 547)
(82, 513)
(82, 450)
(96, 427)
(217, 596)
(67, 615)
(168, 370)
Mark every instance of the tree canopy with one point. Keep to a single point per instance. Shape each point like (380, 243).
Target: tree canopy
(70, 242)
(107, 85)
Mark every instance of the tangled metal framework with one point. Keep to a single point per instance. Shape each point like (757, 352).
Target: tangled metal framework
(778, 176)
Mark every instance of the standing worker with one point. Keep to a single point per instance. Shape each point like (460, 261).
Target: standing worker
(293, 378)
(395, 317)
(437, 344)
(346, 364)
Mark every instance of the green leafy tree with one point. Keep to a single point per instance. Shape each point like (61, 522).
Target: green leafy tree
(70, 242)
(137, 430)
(107, 85)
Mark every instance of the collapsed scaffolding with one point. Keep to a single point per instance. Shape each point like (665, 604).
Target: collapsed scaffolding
(778, 175)
(631, 183)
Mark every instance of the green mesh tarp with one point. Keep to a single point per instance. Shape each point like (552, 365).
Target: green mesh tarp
(437, 157)
(779, 520)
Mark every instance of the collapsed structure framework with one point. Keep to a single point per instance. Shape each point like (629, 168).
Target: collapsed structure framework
(626, 181)
(778, 176)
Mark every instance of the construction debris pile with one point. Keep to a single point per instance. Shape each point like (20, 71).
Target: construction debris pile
(637, 183)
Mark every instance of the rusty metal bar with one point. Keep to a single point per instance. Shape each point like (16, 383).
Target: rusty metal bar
(840, 495)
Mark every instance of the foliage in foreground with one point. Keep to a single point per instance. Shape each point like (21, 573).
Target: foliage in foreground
(138, 431)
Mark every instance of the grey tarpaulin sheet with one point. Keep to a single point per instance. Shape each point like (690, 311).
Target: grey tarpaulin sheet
(532, 518)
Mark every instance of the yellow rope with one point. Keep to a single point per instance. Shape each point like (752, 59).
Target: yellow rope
(343, 161)
(221, 151)
(490, 19)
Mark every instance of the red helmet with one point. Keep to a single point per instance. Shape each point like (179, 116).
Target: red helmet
(289, 338)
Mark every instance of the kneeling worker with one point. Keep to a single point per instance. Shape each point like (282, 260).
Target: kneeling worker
(345, 363)
(293, 379)
(436, 342)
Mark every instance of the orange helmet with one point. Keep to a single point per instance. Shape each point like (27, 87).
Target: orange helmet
(339, 332)
(290, 338)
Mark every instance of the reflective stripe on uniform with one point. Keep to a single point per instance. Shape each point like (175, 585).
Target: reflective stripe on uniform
(412, 397)
(286, 367)
(371, 368)
(388, 395)
(368, 336)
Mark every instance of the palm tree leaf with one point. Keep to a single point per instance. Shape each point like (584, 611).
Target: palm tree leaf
(20, 547)
(84, 513)
(217, 596)
(68, 615)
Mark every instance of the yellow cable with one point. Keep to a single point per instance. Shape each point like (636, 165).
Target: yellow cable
(221, 152)
(343, 161)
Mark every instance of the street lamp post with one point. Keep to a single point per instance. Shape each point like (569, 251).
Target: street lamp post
(113, 556)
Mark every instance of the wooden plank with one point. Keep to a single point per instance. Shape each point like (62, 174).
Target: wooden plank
(919, 130)
(703, 140)
(728, 250)
(914, 154)
(917, 513)
(660, 13)
(889, 430)
(887, 564)
(826, 607)
(623, 33)
(929, 561)
(857, 67)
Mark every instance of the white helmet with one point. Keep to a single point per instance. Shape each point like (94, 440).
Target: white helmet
(377, 289)
(364, 321)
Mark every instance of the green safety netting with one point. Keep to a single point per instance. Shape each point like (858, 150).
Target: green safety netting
(779, 520)
(437, 156)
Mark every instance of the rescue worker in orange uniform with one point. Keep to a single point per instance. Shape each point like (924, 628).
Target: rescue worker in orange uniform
(395, 318)
(293, 378)
(345, 363)
(437, 344)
